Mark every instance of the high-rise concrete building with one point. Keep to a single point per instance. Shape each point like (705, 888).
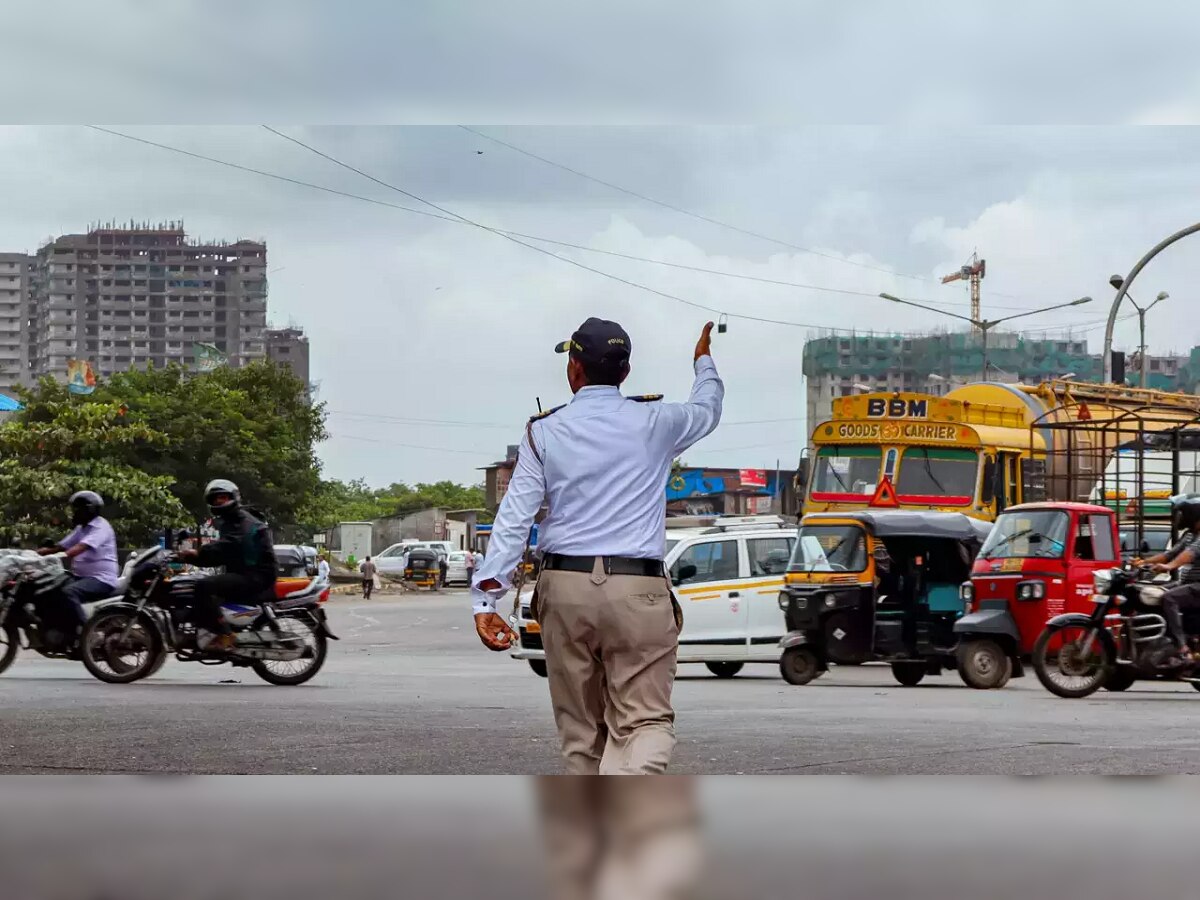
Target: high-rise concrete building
(839, 365)
(14, 320)
(124, 297)
(288, 347)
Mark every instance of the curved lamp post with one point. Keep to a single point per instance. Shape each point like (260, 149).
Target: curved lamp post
(1106, 362)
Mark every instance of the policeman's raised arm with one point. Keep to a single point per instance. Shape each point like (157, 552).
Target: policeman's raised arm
(691, 421)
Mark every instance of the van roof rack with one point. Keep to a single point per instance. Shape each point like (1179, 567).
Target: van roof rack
(715, 524)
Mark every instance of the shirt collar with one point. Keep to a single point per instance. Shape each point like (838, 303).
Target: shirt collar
(596, 391)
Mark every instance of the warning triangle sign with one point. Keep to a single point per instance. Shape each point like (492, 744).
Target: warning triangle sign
(885, 494)
(1085, 414)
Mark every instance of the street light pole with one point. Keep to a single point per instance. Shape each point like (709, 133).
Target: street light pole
(986, 325)
(1123, 290)
(1116, 281)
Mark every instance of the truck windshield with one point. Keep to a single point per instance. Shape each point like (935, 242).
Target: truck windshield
(945, 475)
(842, 471)
(1040, 533)
(829, 548)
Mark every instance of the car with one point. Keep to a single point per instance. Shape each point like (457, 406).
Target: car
(727, 572)
(456, 572)
(391, 560)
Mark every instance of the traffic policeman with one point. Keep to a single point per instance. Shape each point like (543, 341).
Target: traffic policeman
(609, 622)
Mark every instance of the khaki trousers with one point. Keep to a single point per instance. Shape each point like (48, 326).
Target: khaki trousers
(610, 646)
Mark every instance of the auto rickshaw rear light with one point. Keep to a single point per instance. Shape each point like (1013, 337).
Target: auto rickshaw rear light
(829, 601)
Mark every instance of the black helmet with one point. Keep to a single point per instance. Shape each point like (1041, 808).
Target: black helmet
(85, 506)
(222, 486)
(1186, 510)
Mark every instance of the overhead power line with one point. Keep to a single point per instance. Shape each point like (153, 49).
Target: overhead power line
(687, 212)
(402, 420)
(516, 236)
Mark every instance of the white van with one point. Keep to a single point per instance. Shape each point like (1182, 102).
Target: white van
(727, 572)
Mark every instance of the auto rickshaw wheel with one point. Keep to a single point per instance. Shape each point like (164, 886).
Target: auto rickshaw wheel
(909, 674)
(1122, 679)
(983, 664)
(799, 665)
(539, 668)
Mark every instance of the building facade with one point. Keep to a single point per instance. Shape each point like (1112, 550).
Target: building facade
(127, 297)
(288, 347)
(15, 270)
(844, 364)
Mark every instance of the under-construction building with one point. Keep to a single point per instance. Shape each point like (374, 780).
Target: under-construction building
(837, 365)
(127, 296)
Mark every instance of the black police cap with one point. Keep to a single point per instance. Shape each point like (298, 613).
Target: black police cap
(598, 341)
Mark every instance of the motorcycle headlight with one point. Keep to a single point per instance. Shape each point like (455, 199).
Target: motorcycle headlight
(1102, 581)
(783, 600)
(1031, 590)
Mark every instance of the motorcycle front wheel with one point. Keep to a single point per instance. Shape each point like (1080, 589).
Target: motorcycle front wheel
(9, 644)
(296, 671)
(1072, 661)
(113, 656)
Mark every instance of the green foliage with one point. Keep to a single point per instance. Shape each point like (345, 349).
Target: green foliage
(149, 441)
(70, 447)
(339, 501)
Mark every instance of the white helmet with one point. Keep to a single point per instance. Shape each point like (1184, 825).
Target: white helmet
(222, 486)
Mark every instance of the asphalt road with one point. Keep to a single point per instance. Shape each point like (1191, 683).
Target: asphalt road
(410, 690)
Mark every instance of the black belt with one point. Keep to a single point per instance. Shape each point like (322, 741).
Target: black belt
(612, 565)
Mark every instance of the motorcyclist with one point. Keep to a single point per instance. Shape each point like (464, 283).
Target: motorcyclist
(246, 552)
(1184, 557)
(92, 549)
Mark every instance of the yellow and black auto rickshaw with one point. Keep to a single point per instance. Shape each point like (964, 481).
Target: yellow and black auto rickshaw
(422, 569)
(876, 585)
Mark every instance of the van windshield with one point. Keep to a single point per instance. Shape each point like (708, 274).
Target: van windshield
(1034, 533)
(829, 548)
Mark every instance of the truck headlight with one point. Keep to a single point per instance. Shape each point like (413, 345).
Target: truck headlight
(966, 592)
(1031, 590)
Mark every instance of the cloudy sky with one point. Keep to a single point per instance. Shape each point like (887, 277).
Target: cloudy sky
(431, 338)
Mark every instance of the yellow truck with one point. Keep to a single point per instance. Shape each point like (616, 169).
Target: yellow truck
(983, 447)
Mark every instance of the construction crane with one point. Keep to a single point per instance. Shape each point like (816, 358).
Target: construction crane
(972, 273)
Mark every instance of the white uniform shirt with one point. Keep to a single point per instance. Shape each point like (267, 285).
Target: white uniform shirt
(603, 472)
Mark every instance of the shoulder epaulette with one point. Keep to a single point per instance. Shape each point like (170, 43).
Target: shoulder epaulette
(646, 398)
(542, 415)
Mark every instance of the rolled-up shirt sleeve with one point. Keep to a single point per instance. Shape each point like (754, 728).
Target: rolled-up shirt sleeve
(510, 531)
(689, 422)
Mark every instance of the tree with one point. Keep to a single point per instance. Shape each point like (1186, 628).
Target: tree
(254, 425)
(337, 501)
(70, 447)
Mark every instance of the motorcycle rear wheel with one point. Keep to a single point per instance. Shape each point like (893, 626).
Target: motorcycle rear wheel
(9, 645)
(98, 646)
(295, 671)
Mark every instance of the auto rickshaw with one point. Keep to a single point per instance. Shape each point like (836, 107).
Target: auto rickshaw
(876, 585)
(422, 569)
(1038, 563)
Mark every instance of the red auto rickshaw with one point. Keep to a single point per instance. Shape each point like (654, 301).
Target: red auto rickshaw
(1037, 563)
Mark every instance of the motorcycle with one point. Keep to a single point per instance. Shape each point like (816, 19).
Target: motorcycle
(284, 640)
(1124, 639)
(34, 614)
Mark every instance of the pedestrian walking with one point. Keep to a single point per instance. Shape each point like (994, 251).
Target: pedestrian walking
(609, 621)
(470, 564)
(323, 567)
(368, 570)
